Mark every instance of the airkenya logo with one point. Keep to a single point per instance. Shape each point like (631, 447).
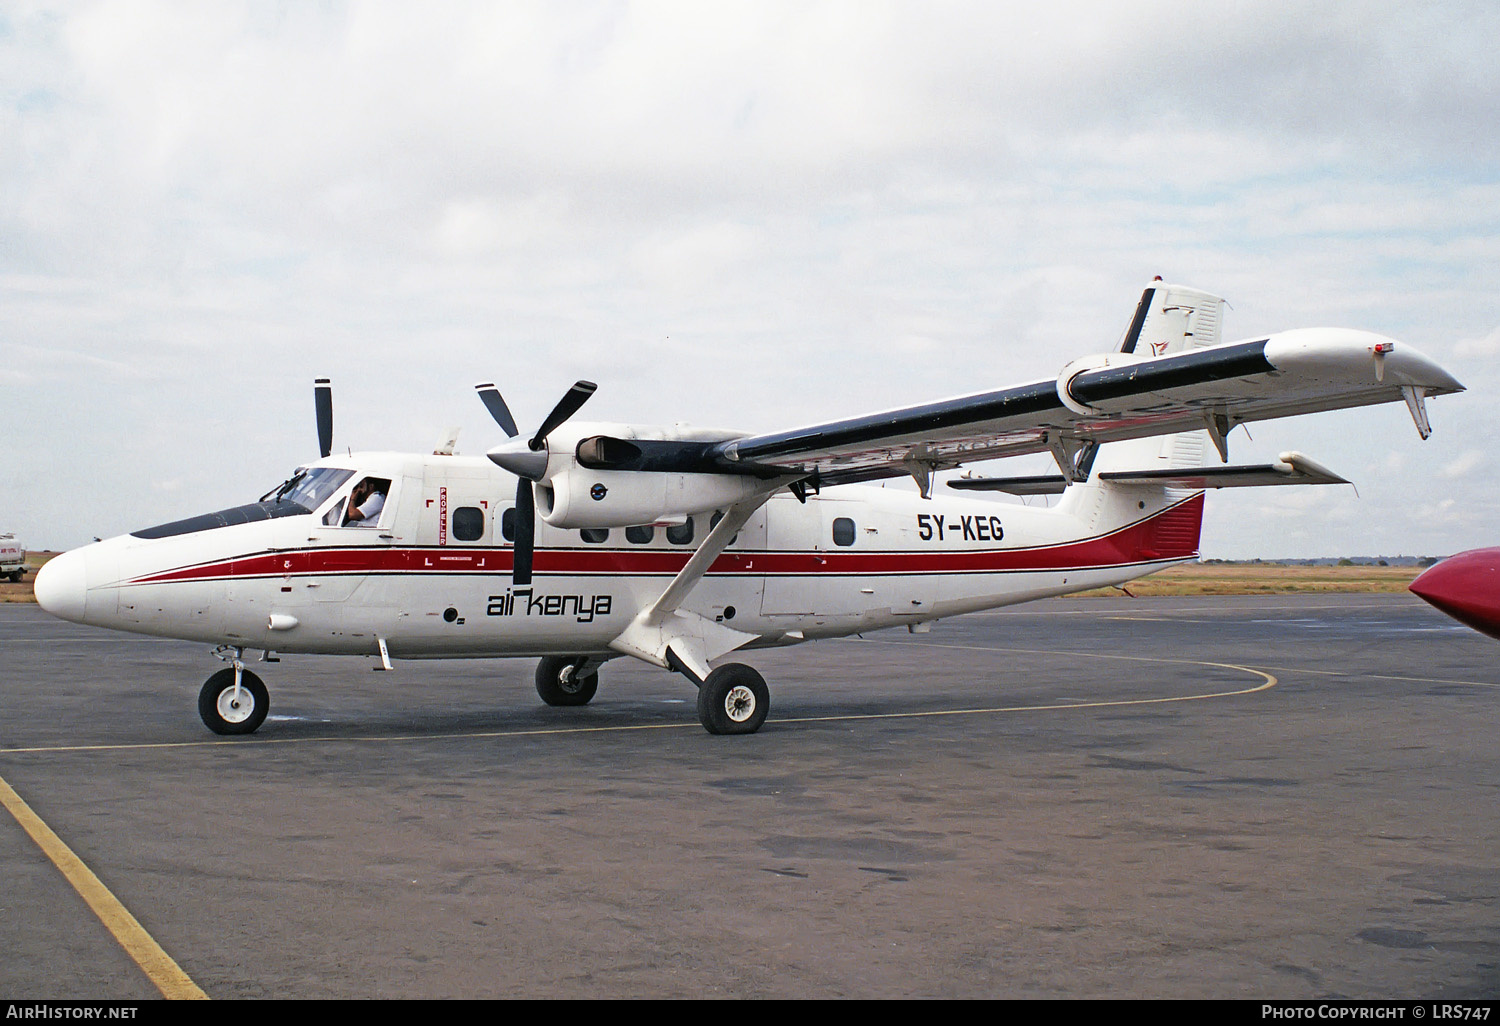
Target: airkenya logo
(582, 607)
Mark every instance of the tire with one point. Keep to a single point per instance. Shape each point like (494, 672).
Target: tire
(16, 575)
(216, 703)
(554, 690)
(733, 700)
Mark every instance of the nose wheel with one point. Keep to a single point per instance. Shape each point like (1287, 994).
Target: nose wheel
(229, 708)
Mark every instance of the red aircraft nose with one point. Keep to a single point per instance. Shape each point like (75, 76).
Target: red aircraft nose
(1467, 588)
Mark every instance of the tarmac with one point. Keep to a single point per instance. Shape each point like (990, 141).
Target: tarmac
(1289, 797)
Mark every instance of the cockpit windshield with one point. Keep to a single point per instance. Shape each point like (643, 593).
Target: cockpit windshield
(301, 493)
(308, 487)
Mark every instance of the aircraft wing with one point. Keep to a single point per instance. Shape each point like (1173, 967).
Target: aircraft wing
(1103, 399)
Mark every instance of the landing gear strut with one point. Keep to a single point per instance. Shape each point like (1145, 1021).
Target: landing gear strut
(733, 699)
(559, 682)
(227, 706)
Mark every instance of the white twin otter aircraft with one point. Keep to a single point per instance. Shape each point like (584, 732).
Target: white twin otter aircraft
(584, 542)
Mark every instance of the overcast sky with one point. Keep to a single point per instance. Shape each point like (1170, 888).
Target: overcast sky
(742, 215)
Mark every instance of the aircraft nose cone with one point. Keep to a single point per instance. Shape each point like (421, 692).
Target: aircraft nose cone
(1467, 588)
(62, 586)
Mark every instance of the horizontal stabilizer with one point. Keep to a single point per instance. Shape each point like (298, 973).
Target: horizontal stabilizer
(1040, 484)
(1289, 468)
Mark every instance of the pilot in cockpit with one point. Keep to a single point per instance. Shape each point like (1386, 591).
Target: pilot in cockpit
(366, 502)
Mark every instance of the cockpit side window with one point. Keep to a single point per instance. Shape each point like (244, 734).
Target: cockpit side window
(367, 502)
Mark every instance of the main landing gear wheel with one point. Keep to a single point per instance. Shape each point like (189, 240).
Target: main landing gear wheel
(225, 712)
(558, 682)
(733, 700)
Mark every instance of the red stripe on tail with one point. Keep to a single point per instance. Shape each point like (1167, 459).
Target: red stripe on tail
(1174, 533)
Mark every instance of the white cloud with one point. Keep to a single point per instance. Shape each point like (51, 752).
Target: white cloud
(688, 261)
(1467, 462)
(1485, 345)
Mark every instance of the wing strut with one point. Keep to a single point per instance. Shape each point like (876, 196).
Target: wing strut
(676, 639)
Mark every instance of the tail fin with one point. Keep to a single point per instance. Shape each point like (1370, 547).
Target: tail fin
(1172, 318)
(1149, 521)
(1168, 319)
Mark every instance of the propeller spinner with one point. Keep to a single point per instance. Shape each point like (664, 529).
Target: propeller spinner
(528, 461)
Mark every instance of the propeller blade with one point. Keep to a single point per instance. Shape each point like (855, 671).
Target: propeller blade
(323, 405)
(568, 405)
(490, 396)
(525, 539)
(528, 464)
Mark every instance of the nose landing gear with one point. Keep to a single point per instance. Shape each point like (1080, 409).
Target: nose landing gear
(233, 701)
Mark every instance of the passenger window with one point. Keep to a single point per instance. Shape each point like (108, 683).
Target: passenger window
(508, 524)
(335, 515)
(595, 535)
(468, 523)
(681, 534)
(843, 531)
(640, 535)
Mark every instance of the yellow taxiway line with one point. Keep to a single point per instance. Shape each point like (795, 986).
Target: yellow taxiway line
(158, 966)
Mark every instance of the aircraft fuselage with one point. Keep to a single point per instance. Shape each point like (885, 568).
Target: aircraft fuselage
(433, 579)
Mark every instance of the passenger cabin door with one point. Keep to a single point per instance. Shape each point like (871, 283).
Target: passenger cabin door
(459, 524)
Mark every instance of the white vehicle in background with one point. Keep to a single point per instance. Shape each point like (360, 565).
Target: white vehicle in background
(12, 557)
